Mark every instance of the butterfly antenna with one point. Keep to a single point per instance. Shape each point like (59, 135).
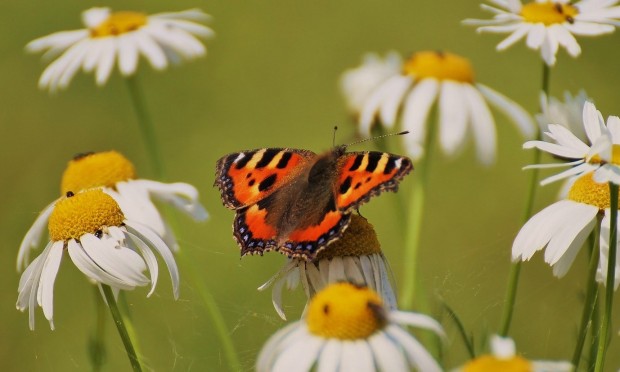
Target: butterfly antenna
(378, 137)
(334, 137)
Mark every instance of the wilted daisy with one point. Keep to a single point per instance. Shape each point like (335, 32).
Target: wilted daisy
(357, 83)
(122, 36)
(564, 226)
(355, 258)
(114, 173)
(602, 157)
(567, 113)
(347, 328)
(102, 243)
(547, 25)
(504, 357)
(448, 79)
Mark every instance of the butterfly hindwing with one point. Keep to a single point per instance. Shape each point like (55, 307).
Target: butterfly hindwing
(365, 174)
(307, 242)
(252, 231)
(244, 178)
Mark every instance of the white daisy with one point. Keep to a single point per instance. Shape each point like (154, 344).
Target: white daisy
(504, 357)
(357, 83)
(162, 39)
(102, 243)
(564, 226)
(567, 113)
(602, 157)
(347, 328)
(355, 258)
(547, 25)
(116, 175)
(448, 79)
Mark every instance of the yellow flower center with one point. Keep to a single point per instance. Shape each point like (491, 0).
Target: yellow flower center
(548, 13)
(102, 169)
(586, 191)
(119, 23)
(489, 363)
(359, 239)
(346, 312)
(615, 156)
(439, 65)
(88, 212)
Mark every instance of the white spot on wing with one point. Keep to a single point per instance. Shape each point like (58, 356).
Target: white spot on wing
(239, 157)
(398, 162)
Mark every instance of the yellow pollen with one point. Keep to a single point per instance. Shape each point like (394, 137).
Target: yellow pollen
(615, 156)
(359, 239)
(439, 65)
(489, 363)
(586, 191)
(101, 169)
(548, 13)
(346, 312)
(84, 213)
(119, 23)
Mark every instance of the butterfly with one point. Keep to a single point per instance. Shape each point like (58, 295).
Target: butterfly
(298, 202)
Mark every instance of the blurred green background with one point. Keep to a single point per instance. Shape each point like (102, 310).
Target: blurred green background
(271, 79)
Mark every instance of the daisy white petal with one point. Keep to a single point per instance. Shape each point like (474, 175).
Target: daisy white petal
(33, 236)
(452, 117)
(483, 126)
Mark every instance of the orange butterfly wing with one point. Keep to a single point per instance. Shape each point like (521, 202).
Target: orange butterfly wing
(245, 178)
(365, 174)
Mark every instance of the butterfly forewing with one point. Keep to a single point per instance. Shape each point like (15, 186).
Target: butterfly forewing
(365, 174)
(245, 178)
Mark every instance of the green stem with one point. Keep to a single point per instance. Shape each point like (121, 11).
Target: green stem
(468, 341)
(596, 326)
(590, 300)
(147, 128)
(96, 349)
(611, 276)
(122, 330)
(515, 268)
(410, 289)
(212, 308)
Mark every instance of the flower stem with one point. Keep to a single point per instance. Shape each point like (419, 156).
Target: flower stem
(122, 330)
(611, 276)
(590, 300)
(515, 268)
(212, 308)
(147, 128)
(410, 290)
(96, 347)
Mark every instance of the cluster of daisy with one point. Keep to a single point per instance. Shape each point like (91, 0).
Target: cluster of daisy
(108, 223)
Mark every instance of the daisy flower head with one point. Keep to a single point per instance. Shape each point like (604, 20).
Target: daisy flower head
(503, 357)
(116, 175)
(601, 157)
(548, 24)
(447, 79)
(564, 226)
(347, 328)
(355, 258)
(122, 36)
(102, 243)
(357, 83)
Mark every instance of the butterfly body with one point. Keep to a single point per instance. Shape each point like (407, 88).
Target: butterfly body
(296, 201)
